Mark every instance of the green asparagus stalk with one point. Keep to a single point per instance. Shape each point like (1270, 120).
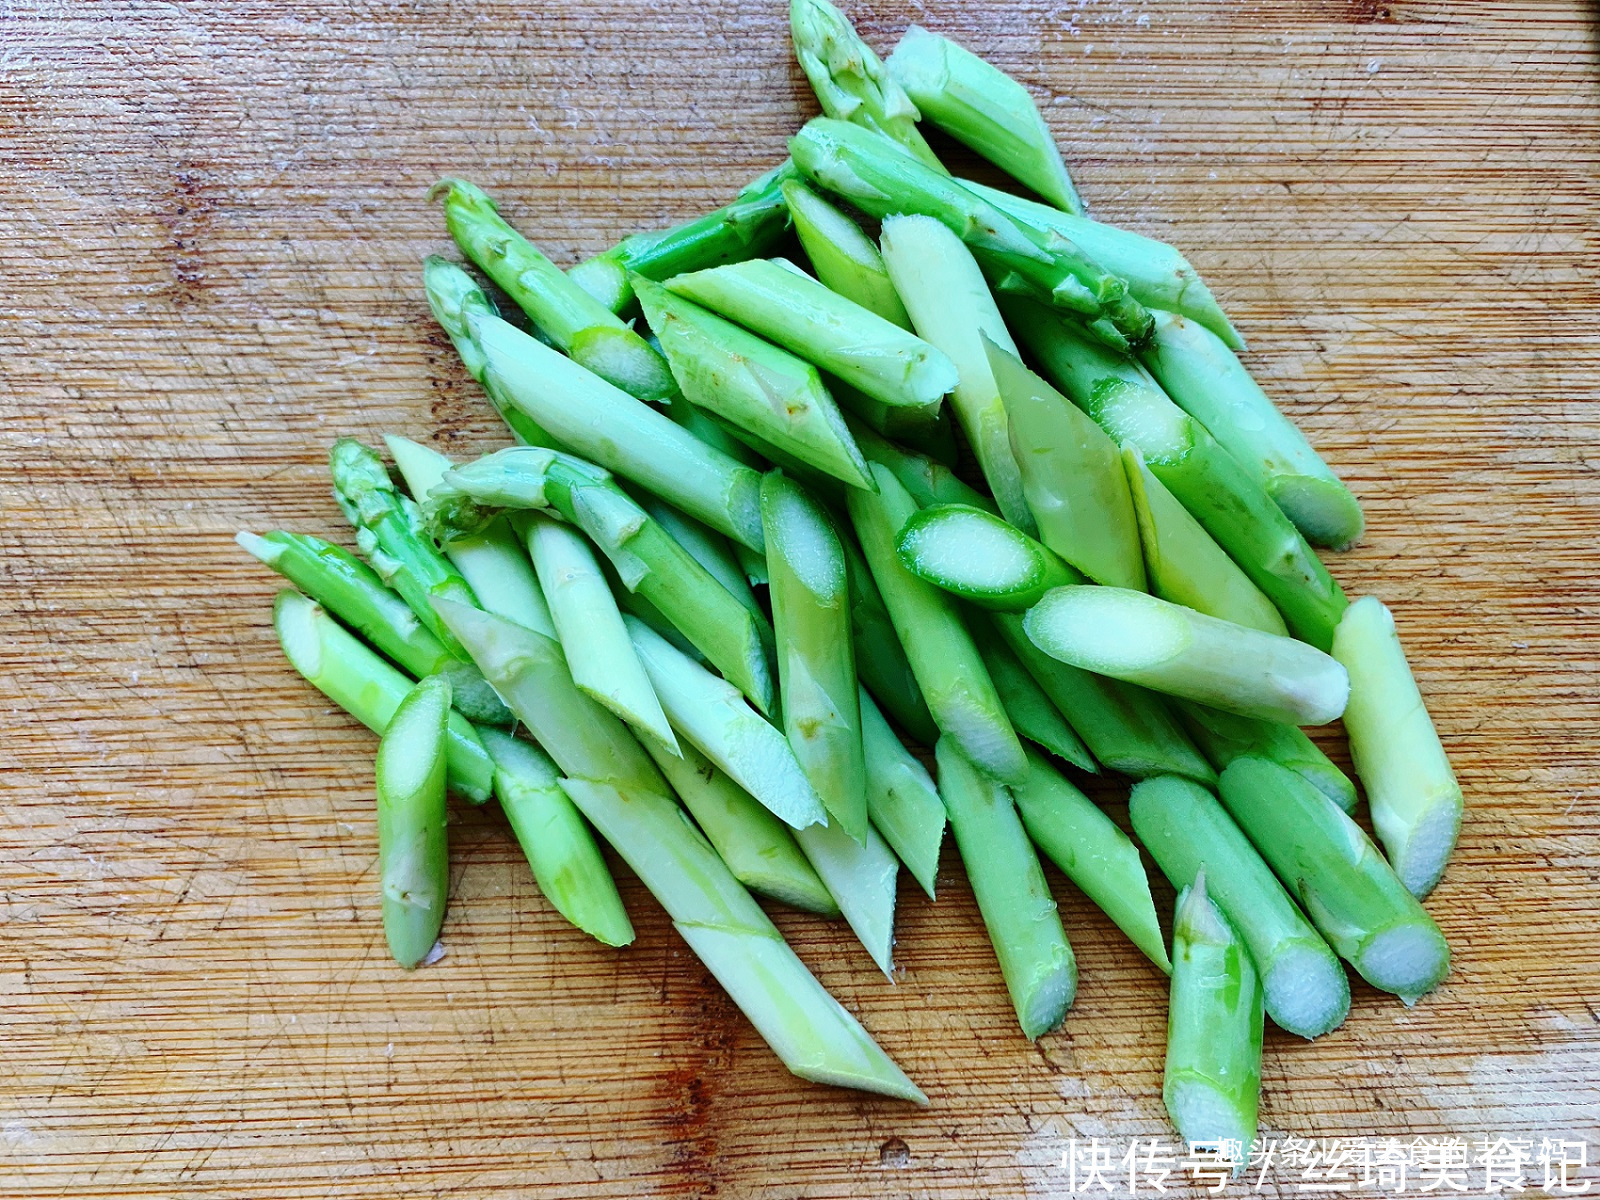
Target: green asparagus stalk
(578, 324)
(712, 715)
(708, 548)
(567, 864)
(413, 858)
(850, 80)
(605, 424)
(1212, 1083)
(1039, 968)
(1140, 639)
(881, 662)
(1206, 379)
(1182, 562)
(928, 431)
(901, 799)
(928, 480)
(861, 876)
(770, 455)
(751, 383)
(1351, 894)
(984, 109)
(1157, 275)
(946, 663)
(1020, 255)
(1186, 831)
(346, 671)
(712, 432)
(747, 228)
(1132, 408)
(816, 658)
(950, 306)
(844, 258)
(1033, 715)
(1126, 728)
(979, 557)
(1093, 853)
(753, 564)
(759, 849)
(1225, 736)
(1413, 793)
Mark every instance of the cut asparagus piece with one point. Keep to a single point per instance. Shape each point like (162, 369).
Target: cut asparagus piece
(980, 558)
(1020, 255)
(346, 671)
(901, 799)
(567, 864)
(1349, 891)
(1122, 398)
(1033, 715)
(603, 423)
(928, 480)
(881, 662)
(1141, 639)
(1206, 379)
(946, 663)
(747, 228)
(1126, 728)
(785, 305)
(1411, 790)
(752, 384)
(1092, 852)
(984, 109)
(708, 548)
(845, 259)
(1225, 736)
(817, 662)
(1072, 475)
(861, 876)
(596, 643)
(413, 858)
(1156, 274)
(578, 324)
(1212, 1083)
(928, 431)
(753, 563)
(712, 432)
(950, 306)
(1039, 968)
(712, 715)
(1186, 831)
(1184, 564)
(759, 849)
(851, 81)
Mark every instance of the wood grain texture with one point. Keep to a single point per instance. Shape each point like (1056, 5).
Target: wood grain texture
(213, 216)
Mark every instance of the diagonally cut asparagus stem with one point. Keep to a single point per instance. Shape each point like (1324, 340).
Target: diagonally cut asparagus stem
(928, 480)
(881, 662)
(844, 258)
(861, 876)
(413, 858)
(1225, 736)
(901, 799)
(980, 558)
(1033, 714)
(1415, 799)
(1140, 639)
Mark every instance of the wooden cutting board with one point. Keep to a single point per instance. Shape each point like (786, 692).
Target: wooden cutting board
(213, 217)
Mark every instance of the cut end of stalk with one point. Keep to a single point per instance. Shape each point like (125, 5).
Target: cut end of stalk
(1306, 990)
(258, 547)
(1048, 1000)
(805, 537)
(1420, 858)
(295, 618)
(413, 741)
(1107, 630)
(1204, 1113)
(1409, 960)
(622, 358)
(474, 697)
(1323, 510)
(992, 748)
(969, 552)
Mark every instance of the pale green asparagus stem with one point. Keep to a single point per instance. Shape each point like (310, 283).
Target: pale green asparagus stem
(1225, 736)
(981, 558)
(1140, 639)
(928, 431)
(861, 876)
(881, 661)
(1092, 852)
(844, 258)
(1413, 793)
(708, 548)
(1033, 714)
(1039, 968)
(901, 798)
(712, 432)
(413, 858)
(753, 564)
(928, 480)
(984, 109)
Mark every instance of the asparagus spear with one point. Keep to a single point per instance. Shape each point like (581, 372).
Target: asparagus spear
(1092, 852)
(1212, 1082)
(1207, 380)
(413, 859)
(861, 876)
(816, 659)
(1183, 563)
(947, 666)
(708, 548)
(984, 109)
(1413, 793)
(881, 662)
(751, 383)
(928, 480)
(1225, 736)
(567, 865)
(901, 799)
(1071, 474)
(850, 80)
(979, 557)
(343, 669)
(593, 419)
(1039, 968)
(1126, 728)
(759, 849)
(713, 432)
(1128, 404)
(1187, 831)
(785, 305)
(1021, 255)
(744, 229)
(1140, 639)
(845, 259)
(1350, 892)
(1033, 715)
(575, 321)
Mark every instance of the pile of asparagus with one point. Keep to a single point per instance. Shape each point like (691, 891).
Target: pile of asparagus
(1132, 589)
